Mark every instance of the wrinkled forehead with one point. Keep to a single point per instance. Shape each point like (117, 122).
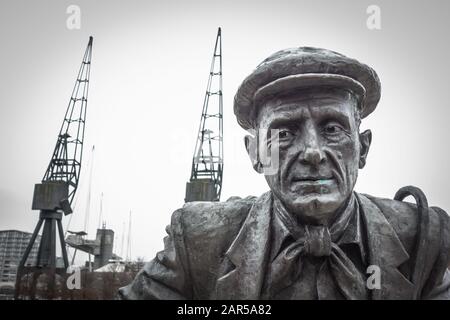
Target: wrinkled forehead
(316, 102)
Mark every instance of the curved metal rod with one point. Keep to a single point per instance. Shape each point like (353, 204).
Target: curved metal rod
(421, 246)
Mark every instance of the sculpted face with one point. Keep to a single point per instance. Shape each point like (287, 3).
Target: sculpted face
(320, 150)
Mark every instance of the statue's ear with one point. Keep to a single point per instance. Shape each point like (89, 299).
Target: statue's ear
(365, 139)
(251, 145)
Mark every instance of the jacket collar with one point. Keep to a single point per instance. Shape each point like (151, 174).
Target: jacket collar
(346, 229)
(248, 254)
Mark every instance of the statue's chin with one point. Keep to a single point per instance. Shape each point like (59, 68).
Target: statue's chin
(316, 209)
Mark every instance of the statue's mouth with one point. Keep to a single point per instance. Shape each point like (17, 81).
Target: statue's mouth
(313, 179)
(307, 185)
(313, 184)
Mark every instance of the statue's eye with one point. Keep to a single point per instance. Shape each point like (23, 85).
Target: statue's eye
(283, 134)
(332, 129)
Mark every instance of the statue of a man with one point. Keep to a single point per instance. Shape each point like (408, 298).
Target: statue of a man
(311, 236)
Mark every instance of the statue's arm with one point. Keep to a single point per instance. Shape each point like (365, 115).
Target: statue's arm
(441, 291)
(164, 277)
(438, 284)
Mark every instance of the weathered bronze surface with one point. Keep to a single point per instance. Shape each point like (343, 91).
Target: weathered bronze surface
(311, 236)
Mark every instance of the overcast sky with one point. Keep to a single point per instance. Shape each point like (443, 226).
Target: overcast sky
(150, 64)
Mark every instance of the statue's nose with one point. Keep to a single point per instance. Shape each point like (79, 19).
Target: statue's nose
(312, 153)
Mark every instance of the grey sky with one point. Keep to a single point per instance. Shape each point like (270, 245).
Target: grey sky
(150, 65)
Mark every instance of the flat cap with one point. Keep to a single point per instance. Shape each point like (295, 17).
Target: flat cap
(303, 67)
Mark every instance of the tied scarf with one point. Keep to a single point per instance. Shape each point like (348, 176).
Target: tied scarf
(319, 242)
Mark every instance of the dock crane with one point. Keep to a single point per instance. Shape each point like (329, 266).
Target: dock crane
(205, 183)
(54, 195)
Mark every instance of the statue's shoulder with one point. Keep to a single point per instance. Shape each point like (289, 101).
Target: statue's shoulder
(201, 217)
(425, 234)
(404, 217)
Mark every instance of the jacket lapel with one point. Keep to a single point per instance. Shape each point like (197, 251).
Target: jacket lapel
(244, 264)
(385, 251)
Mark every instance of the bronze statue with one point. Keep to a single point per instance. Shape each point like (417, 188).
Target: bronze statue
(311, 236)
